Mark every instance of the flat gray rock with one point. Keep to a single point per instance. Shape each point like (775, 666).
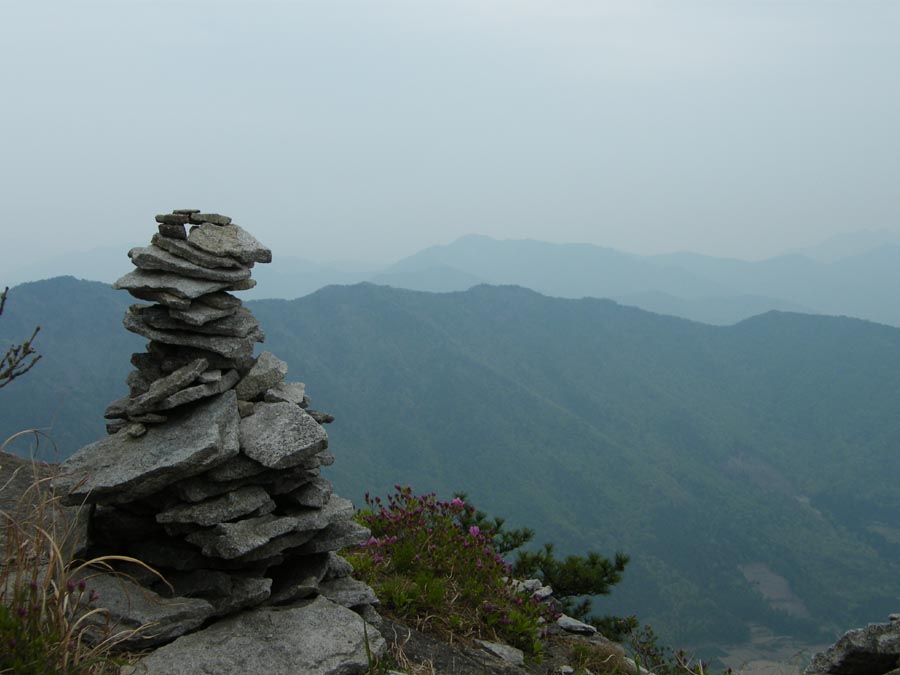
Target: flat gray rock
(199, 488)
(229, 506)
(300, 579)
(220, 300)
(138, 383)
(199, 583)
(199, 313)
(161, 297)
(231, 540)
(164, 282)
(275, 481)
(268, 371)
(281, 435)
(244, 285)
(287, 392)
(181, 530)
(210, 376)
(181, 248)
(146, 365)
(321, 417)
(173, 218)
(154, 258)
(214, 218)
(117, 409)
(317, 638)
(283, 481)
(235, 469)
(229, 347)
(120, 469)
(570, 625)
(172, 231)
(335, 510)
(338, 567)
(227, 593)
(165, 387)
(246, 592)
(171, 357)
(511, 655)
(275, 547)
(148, 418)
(299, 588)
(131, 606)
(348, 592)
(116, 427)
(240, 323)
(314, 494)
(230, 240)
(335, 537)
(199, 391)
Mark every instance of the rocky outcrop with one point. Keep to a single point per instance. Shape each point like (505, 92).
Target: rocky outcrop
(873, 650)
(210, 473)
(312, 638)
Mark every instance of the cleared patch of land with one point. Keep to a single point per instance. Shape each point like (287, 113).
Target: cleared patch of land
(769, 654)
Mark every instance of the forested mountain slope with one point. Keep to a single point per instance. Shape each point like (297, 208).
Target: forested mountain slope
(750, 471)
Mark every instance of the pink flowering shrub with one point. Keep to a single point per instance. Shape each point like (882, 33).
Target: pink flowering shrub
(433, 568)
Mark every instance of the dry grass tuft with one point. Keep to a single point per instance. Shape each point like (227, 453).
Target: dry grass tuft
(51, 621)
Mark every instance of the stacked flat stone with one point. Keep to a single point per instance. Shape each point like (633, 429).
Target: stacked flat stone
(211, 471)
(201, 337)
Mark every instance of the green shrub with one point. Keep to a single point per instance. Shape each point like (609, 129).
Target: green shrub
(660, 659)
(571, 579)
(435, 569)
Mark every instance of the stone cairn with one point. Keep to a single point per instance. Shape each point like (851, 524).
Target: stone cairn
(210, 473)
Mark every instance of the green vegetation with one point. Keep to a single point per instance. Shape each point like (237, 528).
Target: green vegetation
(438, 566)
(699, 450)
(573, 577)
(658, 658)
(438, 573)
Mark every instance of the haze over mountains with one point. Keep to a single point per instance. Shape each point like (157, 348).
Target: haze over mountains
(750, 471)
(854, 274)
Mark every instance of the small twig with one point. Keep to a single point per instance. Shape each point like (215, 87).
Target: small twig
(19, 359)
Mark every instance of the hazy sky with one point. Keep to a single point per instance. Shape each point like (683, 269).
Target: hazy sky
(371, 129)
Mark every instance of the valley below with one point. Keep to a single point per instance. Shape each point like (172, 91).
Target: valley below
(745, 469)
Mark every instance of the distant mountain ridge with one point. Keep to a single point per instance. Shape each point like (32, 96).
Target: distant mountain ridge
(853, 275)
(712, 290)
(721, 459)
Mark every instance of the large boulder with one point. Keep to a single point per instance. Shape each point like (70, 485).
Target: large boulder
(281, 435)
(316, 638)
(873, 650)
(150, 618)
(121, 469)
